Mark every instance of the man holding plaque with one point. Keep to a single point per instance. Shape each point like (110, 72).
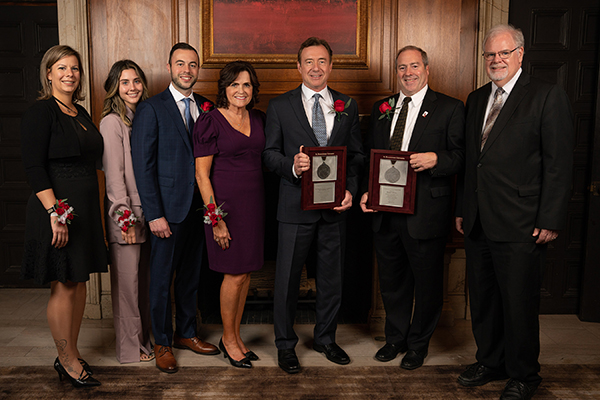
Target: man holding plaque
(517, 185)
(410, 247)
(309, 116)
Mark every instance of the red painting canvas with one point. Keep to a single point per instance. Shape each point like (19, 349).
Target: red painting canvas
(280, 26)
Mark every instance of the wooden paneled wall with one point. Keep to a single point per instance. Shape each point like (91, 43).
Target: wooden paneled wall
(145, 30)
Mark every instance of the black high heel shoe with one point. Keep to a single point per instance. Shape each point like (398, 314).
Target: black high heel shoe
(243, 363)
(84, 380)
(250, 355)
(85, 366)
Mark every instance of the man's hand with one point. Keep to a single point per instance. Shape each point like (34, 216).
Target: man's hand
(423, 161)
(301, 162)
(160, 228)
(346, 203)
(459, 224)
(363, 203)
(544, 235)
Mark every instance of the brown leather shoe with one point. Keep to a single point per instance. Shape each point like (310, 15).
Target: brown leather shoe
(165, 360)
(196, 345)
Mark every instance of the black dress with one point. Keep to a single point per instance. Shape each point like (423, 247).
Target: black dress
(59, 153)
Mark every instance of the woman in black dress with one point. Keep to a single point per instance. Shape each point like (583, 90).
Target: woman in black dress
(228, 143)
(63, 243)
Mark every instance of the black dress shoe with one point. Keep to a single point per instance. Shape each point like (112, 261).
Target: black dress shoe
(478, 374)
(288, 361)
(517, 390)
(243, 363)
(84, 380)
(413, 359)
(333, 352)
(250, 355)
(389, 351)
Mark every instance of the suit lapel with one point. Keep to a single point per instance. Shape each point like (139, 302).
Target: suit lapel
(298, 108)
(173, 111)
(336, 124)
(512, 102)
(481, 105)
(425, 114)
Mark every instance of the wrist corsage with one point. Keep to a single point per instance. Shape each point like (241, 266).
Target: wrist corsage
(126, 219)
(212, 213)
(63, 211)
(339, 108)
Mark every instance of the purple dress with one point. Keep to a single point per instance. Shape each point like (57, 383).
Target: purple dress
(237, 180)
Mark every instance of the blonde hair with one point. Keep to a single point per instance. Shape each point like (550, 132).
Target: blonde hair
(52, 56)
(113, 101)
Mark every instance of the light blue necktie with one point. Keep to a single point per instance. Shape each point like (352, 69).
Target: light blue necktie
(318, 121)
(189, 121)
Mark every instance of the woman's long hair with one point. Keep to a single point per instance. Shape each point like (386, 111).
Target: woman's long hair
(113, 101)
(50, 58)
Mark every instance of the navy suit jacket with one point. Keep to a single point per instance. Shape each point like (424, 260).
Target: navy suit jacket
(522, 178)
(440, 129)
(163, 158)
(286, 129)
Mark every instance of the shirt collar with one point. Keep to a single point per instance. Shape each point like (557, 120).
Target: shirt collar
(178, 96)
(416, 99)
(309, 93)
(508, 87)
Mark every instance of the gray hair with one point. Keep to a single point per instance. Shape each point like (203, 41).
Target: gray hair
(496, 30)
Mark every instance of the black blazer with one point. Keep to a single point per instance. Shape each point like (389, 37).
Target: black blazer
(440, 129)
(286, 129)
(522, 178)
(163, 158)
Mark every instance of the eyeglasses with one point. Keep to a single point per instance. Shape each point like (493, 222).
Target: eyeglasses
(504, 54)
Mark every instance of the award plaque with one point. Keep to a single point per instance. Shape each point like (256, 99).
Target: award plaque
(324, 184)
(392, 182)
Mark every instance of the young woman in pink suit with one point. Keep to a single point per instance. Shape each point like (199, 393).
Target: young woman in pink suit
(125, 224)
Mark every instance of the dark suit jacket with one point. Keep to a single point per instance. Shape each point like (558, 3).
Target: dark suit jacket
(441, 131)
(286, 129)
(522, 178)
(163, 158)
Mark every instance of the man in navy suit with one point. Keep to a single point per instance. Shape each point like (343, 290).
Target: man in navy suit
(291, 118)
(517, 184)
(163, 164)
(410, 248)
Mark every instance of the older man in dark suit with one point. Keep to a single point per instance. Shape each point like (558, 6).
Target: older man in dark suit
(305, 117)
(163, 163)
(410, 248)
(517, 184)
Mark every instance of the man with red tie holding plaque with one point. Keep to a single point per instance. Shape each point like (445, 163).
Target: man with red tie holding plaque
(410, 247)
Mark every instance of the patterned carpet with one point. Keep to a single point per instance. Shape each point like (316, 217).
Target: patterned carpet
(386, 382)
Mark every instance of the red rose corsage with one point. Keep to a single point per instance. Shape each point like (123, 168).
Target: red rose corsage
(212, 213)
(206, 106)
(63, 211)
(126, 220)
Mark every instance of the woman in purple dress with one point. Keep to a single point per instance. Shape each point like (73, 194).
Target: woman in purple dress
(228, 142)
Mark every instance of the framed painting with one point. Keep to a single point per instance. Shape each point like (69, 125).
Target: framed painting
(268, 33)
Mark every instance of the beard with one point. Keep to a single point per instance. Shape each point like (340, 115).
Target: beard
(497, 75)
(181, 85)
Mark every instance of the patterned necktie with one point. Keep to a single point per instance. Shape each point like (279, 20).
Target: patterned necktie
(189, 121)
(494, 111)
(398, 136)
(318, 121)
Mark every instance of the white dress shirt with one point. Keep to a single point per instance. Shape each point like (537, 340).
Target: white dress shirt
(508, 87)
(181, 104)
(416, 100)
(326, 102)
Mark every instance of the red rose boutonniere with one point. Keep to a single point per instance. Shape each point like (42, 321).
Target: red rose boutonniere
(205, 107)
(339, 107)
(126, 219)
(386, 109)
